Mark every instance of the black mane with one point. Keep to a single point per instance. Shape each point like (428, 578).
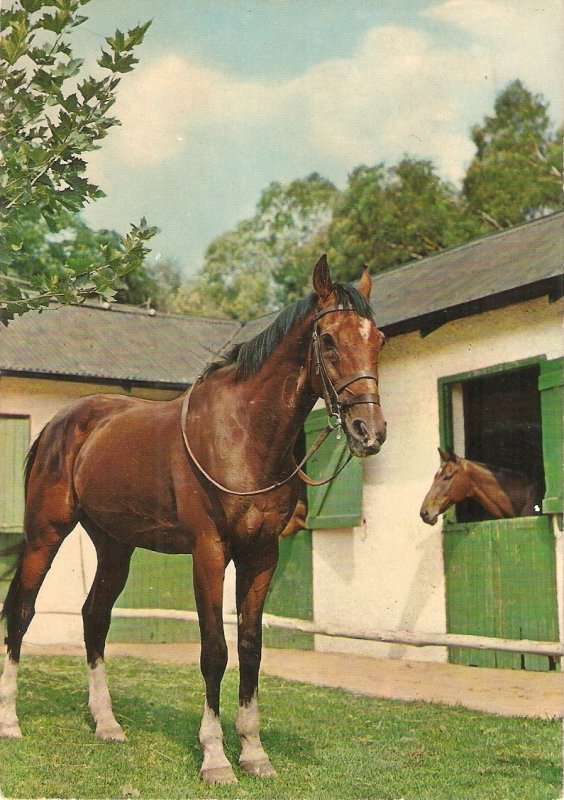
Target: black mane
(250, 356)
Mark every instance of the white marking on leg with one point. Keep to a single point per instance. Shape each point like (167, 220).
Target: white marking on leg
(215, 766)
(253, 757)
(9, 725)
(100, 704)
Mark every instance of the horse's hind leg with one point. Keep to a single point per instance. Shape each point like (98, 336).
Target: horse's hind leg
(39, 548)
(111, 575)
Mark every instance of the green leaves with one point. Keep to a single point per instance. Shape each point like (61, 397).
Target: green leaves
(121, 59)
(50, 120)
(516, 172)
(73, 264)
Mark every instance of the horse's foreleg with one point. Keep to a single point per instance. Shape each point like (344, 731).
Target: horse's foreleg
(109, 581)
(208, 571)
(253, 580)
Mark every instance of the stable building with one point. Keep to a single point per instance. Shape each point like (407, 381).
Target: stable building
(473, 362)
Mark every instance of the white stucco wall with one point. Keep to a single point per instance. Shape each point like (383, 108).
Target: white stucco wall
(388, 574)
(70, 577)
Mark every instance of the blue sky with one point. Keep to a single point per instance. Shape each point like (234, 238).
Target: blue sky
(230, 95)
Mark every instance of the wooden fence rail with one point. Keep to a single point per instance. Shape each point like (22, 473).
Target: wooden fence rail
(418, 639)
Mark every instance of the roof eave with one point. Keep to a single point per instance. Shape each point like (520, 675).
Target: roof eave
(127, 383)
(552, 287)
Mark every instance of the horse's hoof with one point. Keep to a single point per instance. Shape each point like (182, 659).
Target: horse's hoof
(10, 731)
(260, 769)
(113, 734)
(218, 775)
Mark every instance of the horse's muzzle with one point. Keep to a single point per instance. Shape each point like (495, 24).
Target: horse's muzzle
(365, 436)
(428, 517)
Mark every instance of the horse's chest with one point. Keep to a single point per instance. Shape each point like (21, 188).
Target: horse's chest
(261, 521)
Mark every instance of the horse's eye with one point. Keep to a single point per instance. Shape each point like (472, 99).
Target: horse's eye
(447, 477)
(328, 341)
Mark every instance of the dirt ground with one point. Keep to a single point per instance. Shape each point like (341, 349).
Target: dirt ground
(515, 693)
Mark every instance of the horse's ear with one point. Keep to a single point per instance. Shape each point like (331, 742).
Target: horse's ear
(322, 282)
(365, 283)
(447, 455)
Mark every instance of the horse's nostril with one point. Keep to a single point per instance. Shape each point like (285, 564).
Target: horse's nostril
(359, 427)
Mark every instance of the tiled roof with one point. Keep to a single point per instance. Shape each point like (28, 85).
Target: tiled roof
(131, 345)
(119, 344)
(513, 259)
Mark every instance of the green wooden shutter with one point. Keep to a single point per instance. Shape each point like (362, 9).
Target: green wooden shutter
(337, 504)
(550, 386)
(14, 443)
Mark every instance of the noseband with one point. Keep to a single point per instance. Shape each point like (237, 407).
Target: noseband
(331, 391)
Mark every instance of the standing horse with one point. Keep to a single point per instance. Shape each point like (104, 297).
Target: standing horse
(210, 473)
(502, 492)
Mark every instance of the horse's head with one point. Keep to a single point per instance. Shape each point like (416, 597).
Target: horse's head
(344, 359)
(450, 485)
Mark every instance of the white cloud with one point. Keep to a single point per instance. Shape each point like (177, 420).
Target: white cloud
(402, 91)
(518, 39)
(173, 100)
(399, 94)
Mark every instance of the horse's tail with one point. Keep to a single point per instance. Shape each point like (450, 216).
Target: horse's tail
(18, 548)
(14, 571)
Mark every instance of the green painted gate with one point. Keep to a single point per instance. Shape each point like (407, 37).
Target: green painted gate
(501, 582)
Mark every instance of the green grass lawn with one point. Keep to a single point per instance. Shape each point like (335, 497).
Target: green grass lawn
(324, 743)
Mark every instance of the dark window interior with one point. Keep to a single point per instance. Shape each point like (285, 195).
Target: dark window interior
(502, 428)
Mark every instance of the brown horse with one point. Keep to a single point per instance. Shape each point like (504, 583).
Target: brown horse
(502, 492)
(211, 473)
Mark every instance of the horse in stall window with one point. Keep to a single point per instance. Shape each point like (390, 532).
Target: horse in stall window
(210, 473)
(501, 492)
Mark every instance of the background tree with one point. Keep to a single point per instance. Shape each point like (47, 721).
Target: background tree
(154, 284)
(515, 175)
(50, 119)
(386, 217)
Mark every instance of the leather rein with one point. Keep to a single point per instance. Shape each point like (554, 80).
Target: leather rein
(333, 404)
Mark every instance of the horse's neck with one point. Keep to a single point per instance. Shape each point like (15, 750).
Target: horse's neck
(281, 391)
(485, 489)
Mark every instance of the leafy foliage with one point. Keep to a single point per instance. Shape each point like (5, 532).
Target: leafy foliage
(515, 175)
(153, 284)
(386, 217)
(51, 118)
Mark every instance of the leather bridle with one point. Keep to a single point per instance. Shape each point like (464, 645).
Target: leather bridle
(331, 391)
(335, 407)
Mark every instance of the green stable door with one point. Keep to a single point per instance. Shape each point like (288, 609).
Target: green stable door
(500, 575)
